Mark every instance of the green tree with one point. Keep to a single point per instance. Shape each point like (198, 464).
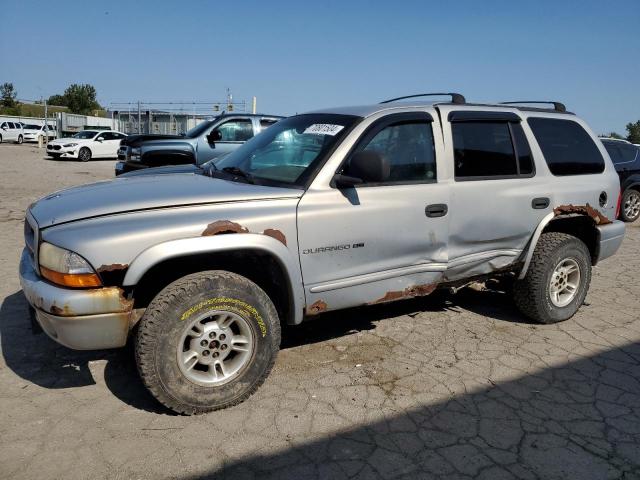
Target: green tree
(633, 129)
(59, 100)
(80, 99)
(8, 94)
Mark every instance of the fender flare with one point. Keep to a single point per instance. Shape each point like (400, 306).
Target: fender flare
(222, 243)
(533, 242)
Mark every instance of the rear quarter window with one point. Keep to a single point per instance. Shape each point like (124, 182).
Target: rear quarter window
(567, 148)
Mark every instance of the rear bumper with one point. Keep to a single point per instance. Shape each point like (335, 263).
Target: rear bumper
(80, 319)
(611, 236)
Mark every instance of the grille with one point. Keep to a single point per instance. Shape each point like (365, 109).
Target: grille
(57, 147)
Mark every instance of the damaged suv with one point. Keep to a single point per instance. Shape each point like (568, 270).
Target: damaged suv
(322, 211)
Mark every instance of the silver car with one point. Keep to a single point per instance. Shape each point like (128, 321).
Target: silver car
(322, 211)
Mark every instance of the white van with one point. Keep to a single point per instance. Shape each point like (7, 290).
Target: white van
(11, 132)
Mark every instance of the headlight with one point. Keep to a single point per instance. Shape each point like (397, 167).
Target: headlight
(135, 153)
(70, 145)
(66, 268)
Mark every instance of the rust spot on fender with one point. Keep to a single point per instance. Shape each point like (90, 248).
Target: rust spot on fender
(277, 234)
(60, 312)
(409, 292)
(114, 267)
(317, 307)
(587, 210)
(221, 227)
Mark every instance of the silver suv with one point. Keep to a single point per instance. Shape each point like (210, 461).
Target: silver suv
(322, 211)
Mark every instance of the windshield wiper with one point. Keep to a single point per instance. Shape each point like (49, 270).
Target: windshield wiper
(238, 172)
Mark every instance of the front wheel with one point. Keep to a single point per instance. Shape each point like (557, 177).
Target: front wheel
(630, 210)
(207, 341)
(84, 155)
(20, 139)
(557, 280)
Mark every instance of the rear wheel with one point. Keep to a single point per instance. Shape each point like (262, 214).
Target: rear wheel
(557, 280)
(207, 341)
(630, 203)
(84, 155)
(0, 138)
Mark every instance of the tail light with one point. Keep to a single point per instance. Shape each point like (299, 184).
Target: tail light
(618, 204)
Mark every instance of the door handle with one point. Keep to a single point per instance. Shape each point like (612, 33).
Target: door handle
(540, 203)
(436, 210)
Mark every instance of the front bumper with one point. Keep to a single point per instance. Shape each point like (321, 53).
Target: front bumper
(88, 319)
(610, 239)
(65, 152)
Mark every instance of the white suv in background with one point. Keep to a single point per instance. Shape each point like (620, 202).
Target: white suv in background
(32, 132)
(86, 145)
(11, 132)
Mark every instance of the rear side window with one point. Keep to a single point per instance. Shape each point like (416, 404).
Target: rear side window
(567, 148)
(629, 153)
(483, 149)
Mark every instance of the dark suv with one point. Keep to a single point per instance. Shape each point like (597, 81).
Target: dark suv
(626, 160)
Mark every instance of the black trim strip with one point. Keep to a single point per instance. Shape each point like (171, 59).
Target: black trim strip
(480, 116)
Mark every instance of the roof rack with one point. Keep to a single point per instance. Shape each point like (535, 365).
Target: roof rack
(557, 106)
(455, 97)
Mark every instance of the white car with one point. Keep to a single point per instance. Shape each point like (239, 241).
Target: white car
(11, 132)
(32, 132)
(86, 145)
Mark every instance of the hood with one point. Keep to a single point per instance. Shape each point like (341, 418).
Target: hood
(187, 168)
(144, 192)
(62, 141)
(136, 140)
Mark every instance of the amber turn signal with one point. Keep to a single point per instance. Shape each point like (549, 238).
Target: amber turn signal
(73, 280)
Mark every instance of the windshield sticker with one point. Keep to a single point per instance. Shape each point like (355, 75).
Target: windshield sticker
(324, 129)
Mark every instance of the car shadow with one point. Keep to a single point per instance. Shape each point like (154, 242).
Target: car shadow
(36, 358)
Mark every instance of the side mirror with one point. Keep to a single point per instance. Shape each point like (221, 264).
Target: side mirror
(99, 139)
(214, 136)
(368, 166)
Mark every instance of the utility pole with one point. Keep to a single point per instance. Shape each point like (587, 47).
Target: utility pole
(139, 118)
(253, 105)
(46, 123)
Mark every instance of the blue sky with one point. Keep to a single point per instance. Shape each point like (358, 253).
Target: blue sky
(297, 56)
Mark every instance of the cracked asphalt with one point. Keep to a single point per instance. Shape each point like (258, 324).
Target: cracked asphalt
(449, 386)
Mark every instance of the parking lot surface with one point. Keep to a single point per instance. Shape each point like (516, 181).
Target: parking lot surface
(455, 386)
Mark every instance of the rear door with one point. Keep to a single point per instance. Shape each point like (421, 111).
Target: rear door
(496, 199)
(375, 242)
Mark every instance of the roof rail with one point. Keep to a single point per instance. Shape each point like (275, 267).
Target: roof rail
(455, 97)
(557, 106)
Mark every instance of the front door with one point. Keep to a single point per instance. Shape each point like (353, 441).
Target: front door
(233, 133)
(378, 242)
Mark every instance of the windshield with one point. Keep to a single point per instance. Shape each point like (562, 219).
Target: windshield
(199, 129)
(287, 152)
(31, 127)
(85, 134)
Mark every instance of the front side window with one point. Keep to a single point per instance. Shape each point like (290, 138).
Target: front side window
(408, 147)
(483, 149)
(567, 148)
(239, 130)
(287, 152)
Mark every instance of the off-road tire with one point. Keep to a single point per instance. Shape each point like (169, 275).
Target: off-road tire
(20, 139)
(531, 294)
(625, 198)
(86, 156)
(164, 322)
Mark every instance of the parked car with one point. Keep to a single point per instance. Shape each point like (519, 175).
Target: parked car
(11, 132)
(626, 160)
(33, 132)
(87, 144)
(206, 141)
(322, 211)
